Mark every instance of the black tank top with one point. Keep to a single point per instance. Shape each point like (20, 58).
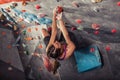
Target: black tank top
(79, 38)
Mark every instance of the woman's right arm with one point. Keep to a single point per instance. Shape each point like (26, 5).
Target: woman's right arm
(54, 30)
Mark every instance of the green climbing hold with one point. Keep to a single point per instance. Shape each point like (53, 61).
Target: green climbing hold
(24, 32)
(39, 76)
(23, 45)
(27, 53)
(80, 28)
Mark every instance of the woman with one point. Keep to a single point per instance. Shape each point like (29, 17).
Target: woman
(56, 49)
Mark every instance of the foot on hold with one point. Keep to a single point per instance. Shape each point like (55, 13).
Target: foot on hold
(96, 1)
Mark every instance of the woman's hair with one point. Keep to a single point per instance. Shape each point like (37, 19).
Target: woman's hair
(53, 52)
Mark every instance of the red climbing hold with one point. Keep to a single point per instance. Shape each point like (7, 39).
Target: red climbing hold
(95, 26)
(47, 63)
(78, 21)
(36, 29)
(17, 32)
(96, 32)
(40, 46)
(37, 6)
(7, 9)
(23, 10)
(23, 26)
(49, 29)
(29, 29)
(118, 3)
(113, 30)
(59, 9)
(9, 46)
(36, 54)
(42, 15)
(107, 48)
(3, 33)
(92, 49)
(73, 28)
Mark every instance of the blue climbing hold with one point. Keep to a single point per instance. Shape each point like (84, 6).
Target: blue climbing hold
(87, 60)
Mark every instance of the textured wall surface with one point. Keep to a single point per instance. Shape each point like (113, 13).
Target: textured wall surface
(105, 13)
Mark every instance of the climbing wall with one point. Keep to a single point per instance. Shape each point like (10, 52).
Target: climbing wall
(98, 20)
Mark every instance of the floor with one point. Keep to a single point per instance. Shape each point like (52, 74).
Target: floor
(105, 13)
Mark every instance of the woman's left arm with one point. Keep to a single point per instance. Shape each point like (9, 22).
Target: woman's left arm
(70, 45)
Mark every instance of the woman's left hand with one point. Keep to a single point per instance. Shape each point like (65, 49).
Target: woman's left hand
(55, 12)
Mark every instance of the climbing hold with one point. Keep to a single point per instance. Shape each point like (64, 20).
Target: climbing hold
(42, 15)
(113, 31)
(9, 46)
(7, 9)
(47, 63)
(39, 76)
(59, 9)
(24, 2)
(24, 32)
(23, 10)
(36, 23)
(96, 1)
(48, 21)
(23, 26)
(36, 54)
(29, 29)
(40, 46)
(17, 32)
(27, 53)
(107, 48)
(3, 33)
(28, 38)
(24, 45)
(36, 29)
(79, 21)
(14, 4)
(96, 32)
(96, 9)
(37, 6)
(40, 68)
(29, 66)
(20, 19)
(92, 49)
(75, 4)
(49, 29)
(73, 28)
(14, 27)
(24, 52)
(118, 3)
(95, 26)
(10, 68)
(80, 27)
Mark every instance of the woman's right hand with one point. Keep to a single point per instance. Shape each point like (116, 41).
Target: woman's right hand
(59, 16)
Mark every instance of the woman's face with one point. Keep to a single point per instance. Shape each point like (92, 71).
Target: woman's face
(57, 44)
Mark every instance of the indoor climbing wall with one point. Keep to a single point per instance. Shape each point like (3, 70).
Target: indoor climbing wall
(97, 19)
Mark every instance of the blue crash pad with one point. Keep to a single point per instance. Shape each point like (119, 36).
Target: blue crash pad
(87, 60)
